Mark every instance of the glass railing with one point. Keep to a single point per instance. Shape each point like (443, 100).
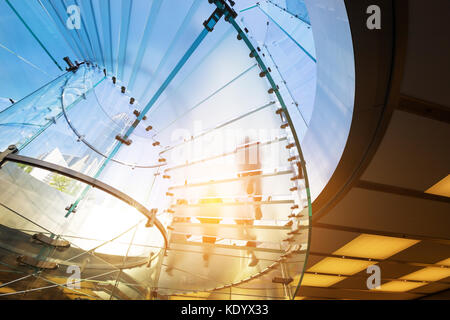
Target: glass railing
(226, 241)
(237, 232)
(106, 240)
(37, 127)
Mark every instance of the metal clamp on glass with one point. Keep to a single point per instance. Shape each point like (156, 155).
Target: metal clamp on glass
(151, 221)
(213, 19)
(126, 142)
(32, 262)
(72, 68)
(225, 8)
(71, 207)
(11, 149)
(285, 281)
(137, 114)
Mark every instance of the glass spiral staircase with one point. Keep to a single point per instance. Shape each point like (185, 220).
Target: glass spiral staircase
(102, 199)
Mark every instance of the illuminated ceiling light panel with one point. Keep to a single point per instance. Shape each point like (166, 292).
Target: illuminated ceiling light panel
(346, 267)
(320, 280)
(428, 274)
(442, 188)
(445, 262)
(400, 286)
(375, 247)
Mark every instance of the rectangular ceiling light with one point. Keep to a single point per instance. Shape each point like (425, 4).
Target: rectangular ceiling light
(375, 247)
(428, 274)
(400, 286)
(442, 188)
(320, 280)
(345, 267)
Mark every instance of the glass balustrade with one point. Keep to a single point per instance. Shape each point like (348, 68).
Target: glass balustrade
(215, 231)
(107, 240)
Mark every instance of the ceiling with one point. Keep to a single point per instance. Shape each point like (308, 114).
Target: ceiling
(375, 210)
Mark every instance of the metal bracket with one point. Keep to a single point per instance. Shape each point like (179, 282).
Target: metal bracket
(223, 8)
(52, 119)
(137, 114)
(86, 180)
(121, 139)
(80, 138)
(74, 210)
(226, 8)
(285, 281)
(11, 149)
(150, 258)
(213, 19)
(40, 237)
(72, 68)
(32, 262)
(151, 220)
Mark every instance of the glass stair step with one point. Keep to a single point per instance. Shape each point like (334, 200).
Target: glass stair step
(264, 115)
(226, 265)
(274, 210)
(274, 183)
(218, 246)
(272, 154)
(234, 231)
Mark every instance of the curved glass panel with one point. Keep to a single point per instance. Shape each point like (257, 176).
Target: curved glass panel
(319, 94)
(102, 239)
(217, 223)
(287, 47)
(36, 58)
(30, 116)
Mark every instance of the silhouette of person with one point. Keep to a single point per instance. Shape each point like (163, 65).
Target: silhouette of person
(249, 166)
